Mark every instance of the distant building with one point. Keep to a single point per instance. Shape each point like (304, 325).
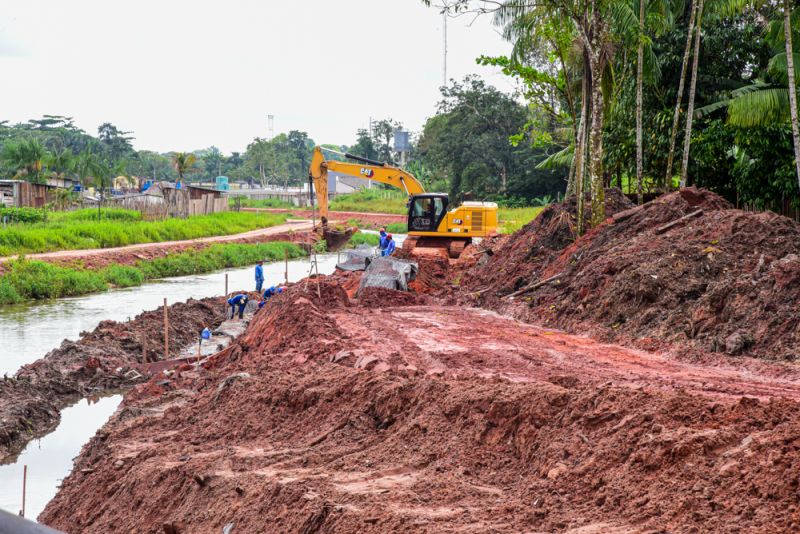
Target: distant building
(22, 194)
(342, 184)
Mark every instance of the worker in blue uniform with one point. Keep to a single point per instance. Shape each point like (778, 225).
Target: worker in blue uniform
(239, 301)
(268, 294)
(390, 246)
(259, 275)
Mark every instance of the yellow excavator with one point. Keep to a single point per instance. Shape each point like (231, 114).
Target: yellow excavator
(430, 224)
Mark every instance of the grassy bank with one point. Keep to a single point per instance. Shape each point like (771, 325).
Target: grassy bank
(261, 203)
(73, 230)
(31, 279)
(371, 201)
(512, 219)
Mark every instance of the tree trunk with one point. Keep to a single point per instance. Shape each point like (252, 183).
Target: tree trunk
(596, 142)
(676, 116)
(687, 140)
(639, 76)
(787, 30)
(580, 150)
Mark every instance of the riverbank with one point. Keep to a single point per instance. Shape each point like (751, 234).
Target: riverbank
(113, 356)
(25, 279)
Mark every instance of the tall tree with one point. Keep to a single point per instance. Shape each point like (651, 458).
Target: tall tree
(639, 86)
(183, 162)
(679, 100)
(687, 139)
(787, 30)
(25, 156)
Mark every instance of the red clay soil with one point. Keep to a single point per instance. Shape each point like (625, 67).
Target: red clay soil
(98, 362)
(331, 417)
(130, 255)
(725, 281)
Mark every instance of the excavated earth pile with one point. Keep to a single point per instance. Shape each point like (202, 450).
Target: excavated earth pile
(110, 357)
(720, 280)
(332, 416)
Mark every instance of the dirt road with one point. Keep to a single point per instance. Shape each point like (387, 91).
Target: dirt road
(93, 258)
(337, 416)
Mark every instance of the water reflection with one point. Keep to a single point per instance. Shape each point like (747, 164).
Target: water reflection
(29, 331)
(49, 460)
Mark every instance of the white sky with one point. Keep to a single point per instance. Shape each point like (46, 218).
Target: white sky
(187, 74)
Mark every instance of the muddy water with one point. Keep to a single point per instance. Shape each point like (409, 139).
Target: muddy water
(50, 459)
(29, 331)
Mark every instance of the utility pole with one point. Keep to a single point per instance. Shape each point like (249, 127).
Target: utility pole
(271, 125)
(444, 39)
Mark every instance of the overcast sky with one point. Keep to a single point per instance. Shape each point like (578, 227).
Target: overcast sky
(187, 74)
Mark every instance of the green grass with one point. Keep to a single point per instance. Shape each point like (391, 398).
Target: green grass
(90, 214)
(363, 239)
(262, 203)
(74, 233)
(32, 279)
(512, 219)
(371, 201)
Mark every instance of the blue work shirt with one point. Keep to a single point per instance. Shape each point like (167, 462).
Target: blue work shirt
(390, 246)
(259, 273)
(233, 301)
(268, 292)
(382, 241)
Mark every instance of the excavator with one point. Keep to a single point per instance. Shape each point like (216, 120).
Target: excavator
(431, 227)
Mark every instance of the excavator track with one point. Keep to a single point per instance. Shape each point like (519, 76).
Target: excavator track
(435, 246)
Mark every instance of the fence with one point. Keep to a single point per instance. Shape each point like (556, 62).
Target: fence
(783, 207)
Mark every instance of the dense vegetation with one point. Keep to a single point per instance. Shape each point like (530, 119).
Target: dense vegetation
(650, 95)
(74, 230)
(29, 279)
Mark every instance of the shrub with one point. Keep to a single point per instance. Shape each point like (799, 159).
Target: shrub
(23, 215)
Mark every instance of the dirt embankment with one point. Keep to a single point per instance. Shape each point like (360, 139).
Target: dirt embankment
(110, 357)
(330, 415)
(721, 280)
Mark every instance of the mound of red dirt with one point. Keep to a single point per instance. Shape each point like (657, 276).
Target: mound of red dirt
(719, 280)
(304, 431)
(381, 297)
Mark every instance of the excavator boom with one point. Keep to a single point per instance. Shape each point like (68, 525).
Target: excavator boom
(366, 170)
(431, 219)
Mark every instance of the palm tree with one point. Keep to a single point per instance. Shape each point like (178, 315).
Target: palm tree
(60, 162)
(772, 99)
(26, 158)
(183, 163)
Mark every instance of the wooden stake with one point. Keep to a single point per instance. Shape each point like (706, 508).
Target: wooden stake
(24, 484)
(144, 348)
(531, 287)
(166, 330)
(286, 265)
(226, 285)
(676, 222)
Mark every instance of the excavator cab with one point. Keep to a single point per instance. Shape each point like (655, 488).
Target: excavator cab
(426, 211)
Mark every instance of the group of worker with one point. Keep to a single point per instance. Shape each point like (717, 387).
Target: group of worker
(386, 243)
(238, 302)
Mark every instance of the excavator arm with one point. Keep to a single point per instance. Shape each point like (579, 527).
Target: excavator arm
(365, 170)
